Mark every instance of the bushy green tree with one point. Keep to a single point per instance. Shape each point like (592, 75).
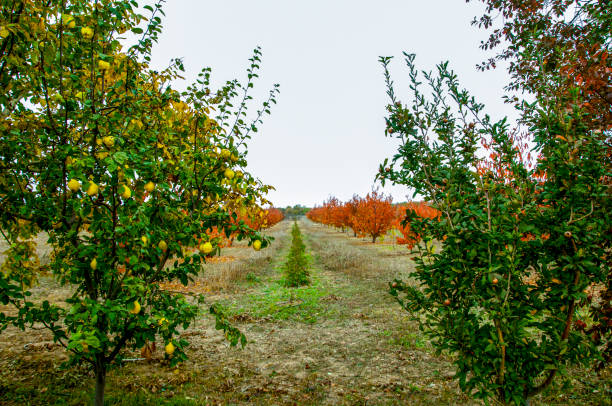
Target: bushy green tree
(519, 244)
(296, 267)
(124, 174)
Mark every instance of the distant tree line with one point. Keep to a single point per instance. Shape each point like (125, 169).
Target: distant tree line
(295, 211)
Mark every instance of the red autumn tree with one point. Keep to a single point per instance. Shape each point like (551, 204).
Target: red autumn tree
(350, 209)
(316, 214)
(375, 215)
(421, 209)
(273, 216)
(332, 213)
(339, 215)
(558, 45)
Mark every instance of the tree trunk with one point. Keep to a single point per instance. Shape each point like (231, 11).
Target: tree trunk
(373, 239)
(100, 382)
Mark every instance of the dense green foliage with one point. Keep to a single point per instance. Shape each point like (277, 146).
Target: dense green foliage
(122, 172)
(525, 226)
(519, 246)
(559, 48)
(296, 267)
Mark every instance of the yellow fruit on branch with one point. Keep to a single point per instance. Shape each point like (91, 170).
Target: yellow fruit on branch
(126, 193)
(206, 248)
(109, 141)
(94, 264)
(93, 189)
(229, 174)
(170, 348)
(74, 185)
(135, 307)
(149, 186)
(103, 65)
(226, 154)
(144, 240)
(162, 245)
(68, 21)
(257, 245)
(87, 32)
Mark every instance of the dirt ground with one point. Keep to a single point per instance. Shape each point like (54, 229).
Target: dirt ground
(341, 340)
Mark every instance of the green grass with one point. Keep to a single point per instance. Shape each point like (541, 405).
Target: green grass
(275, 301)
(272, 299)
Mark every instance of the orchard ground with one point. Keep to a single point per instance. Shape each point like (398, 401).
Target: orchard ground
(341, 340)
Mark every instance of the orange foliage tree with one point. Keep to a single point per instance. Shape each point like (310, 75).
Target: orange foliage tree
(350, 208)
(421, 209)
(374, 216)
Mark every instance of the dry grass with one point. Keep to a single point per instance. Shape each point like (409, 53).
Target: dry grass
(353, 256)
(219, 275)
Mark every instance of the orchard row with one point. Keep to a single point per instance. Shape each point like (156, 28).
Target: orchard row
(373, 215)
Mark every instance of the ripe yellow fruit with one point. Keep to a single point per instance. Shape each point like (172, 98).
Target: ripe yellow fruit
(94, 264)
(93, 189)
(229, 174)
(144, 240)
(206, 248)
(135, 308)
(69, 21)
(162, 321)
(162, 245)
(149, 186)
(87, 32)
(257, 245)
(109, 141)
(170, 348)
(126, 193)
(74, 185)
(103, 65)
(226, 153)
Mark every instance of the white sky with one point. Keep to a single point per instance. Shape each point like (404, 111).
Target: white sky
(326, 134)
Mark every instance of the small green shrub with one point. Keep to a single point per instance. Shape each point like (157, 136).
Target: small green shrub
(296, 267)
(251, 277)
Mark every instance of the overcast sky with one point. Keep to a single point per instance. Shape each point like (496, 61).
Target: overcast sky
(326, 134)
